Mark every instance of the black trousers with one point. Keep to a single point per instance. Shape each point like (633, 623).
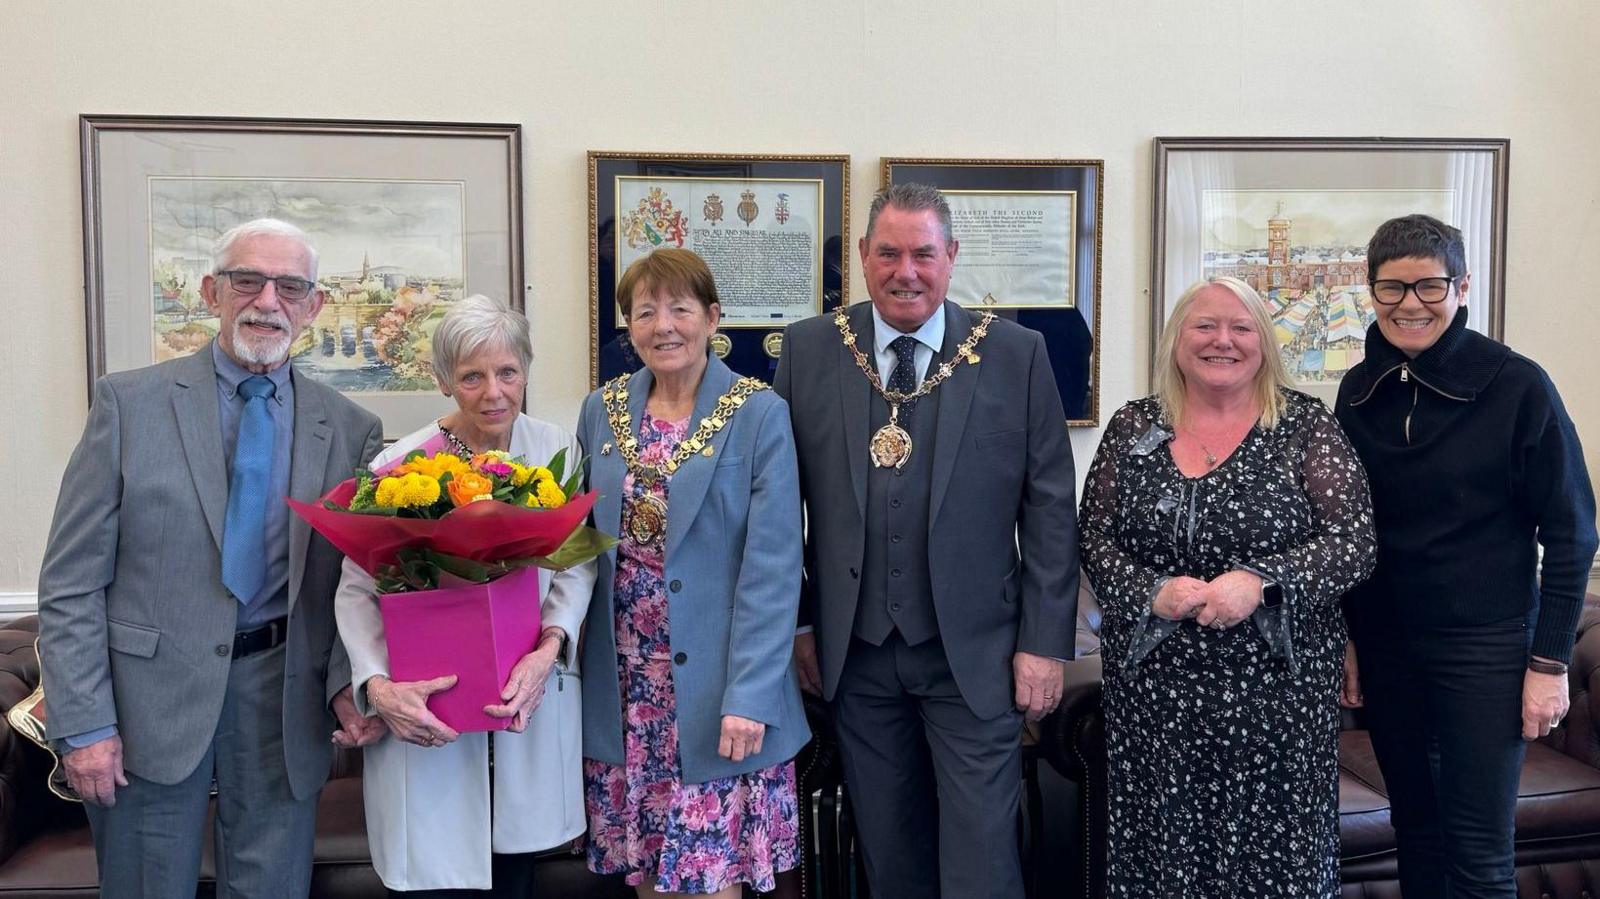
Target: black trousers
(1444, 707)
(512, 877)
(935, 789)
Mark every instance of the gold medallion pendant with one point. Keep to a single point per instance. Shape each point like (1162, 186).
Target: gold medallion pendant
(647, 519)
(890, 447)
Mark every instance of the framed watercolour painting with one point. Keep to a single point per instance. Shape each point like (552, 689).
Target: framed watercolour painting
(407, 218)
(774, 230)
(1029, 235)
(1292, 217)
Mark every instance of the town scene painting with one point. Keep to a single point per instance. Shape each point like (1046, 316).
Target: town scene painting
(391, 261)
(1305, 252)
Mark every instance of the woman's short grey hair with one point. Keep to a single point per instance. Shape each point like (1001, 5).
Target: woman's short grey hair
(911, 197)
(473, 324)
(222, 250)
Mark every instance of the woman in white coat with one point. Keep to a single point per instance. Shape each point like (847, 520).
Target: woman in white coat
(452, 813)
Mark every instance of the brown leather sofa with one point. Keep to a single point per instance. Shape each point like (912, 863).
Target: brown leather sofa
(46, 851)
(1558, 804)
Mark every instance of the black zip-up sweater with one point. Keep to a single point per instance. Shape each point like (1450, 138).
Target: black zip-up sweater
(1472, 458)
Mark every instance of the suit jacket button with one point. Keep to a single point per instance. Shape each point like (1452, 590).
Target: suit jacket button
(224, 650)
(681, 658)
(675, 586)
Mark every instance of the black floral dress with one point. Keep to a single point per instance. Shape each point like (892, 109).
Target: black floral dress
(1223, 744)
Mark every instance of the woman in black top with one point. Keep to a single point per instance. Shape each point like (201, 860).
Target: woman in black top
(1463, 642)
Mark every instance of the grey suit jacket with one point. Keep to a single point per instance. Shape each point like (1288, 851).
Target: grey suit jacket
(135, 627)
(1002, 528)
(733, 582)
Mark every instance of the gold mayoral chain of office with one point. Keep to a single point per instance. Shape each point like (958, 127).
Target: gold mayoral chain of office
(647, 520)
(891, 444)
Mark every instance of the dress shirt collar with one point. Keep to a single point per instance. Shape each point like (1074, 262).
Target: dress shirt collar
(930, 335)
(231, 374)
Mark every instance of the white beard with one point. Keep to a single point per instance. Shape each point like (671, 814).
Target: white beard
(266, 351)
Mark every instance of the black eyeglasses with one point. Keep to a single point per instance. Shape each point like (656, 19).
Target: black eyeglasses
(251, 283)
(1390, 292)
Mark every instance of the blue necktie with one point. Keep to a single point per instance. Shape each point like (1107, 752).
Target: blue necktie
(244, 531)
(904, 377)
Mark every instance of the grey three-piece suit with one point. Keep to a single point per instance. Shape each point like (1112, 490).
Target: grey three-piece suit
(921, 585)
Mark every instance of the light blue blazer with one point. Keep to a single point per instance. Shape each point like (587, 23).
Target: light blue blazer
(733, 560)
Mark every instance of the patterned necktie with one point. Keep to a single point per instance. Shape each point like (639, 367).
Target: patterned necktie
(904, 377)
(244, 531)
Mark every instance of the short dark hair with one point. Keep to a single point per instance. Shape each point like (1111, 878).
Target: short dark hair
(1417, 237)
(670, 269)
(911, 197)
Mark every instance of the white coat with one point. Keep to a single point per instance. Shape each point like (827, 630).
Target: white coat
(428, 809)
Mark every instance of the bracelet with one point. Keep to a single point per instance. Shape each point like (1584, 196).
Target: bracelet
(1540, 666)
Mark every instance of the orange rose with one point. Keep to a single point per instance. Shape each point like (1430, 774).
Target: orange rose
(469, 486)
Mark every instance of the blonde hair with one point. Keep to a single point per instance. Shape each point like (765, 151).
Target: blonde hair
(1171, 386)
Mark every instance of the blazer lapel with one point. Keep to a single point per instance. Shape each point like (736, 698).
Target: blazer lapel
(194, 402)
(693, 478)
(855, 398)
(608, 467)
(308, 471)
(955, 401)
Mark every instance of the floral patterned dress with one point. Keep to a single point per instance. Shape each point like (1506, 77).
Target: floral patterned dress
(1222, 745)
(644, 820)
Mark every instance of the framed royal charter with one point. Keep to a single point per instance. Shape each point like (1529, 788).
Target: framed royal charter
(1029, 234)
(773, 229)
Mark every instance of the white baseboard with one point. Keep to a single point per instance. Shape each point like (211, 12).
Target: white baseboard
(16, 605)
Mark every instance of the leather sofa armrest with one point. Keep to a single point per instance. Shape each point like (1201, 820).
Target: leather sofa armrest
(26, 805)
(1071, 738)
(1580, 737)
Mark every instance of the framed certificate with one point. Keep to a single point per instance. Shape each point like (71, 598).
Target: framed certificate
(1291, 217)
(407, 218)
(774, 230)
(1029, 234)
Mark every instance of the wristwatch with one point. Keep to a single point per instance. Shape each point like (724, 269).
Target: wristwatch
(1271, 593)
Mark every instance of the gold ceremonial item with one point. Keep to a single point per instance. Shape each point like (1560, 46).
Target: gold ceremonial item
(890, 446)
(647, 518)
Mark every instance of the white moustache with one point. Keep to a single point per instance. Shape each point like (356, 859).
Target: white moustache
(258, 318)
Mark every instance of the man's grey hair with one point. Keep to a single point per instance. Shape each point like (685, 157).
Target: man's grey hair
(911, 197)
(473, 324)
(222, 251)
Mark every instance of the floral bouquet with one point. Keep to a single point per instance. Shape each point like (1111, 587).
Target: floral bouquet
(454, 546)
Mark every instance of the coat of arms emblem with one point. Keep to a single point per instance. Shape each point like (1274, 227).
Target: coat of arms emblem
(748, 210)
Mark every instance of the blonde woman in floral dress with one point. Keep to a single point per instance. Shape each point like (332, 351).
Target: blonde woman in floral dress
(1222, 519)
(692, 711)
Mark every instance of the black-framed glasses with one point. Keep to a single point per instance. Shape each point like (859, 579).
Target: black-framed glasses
(251, 283)
(1391, 292)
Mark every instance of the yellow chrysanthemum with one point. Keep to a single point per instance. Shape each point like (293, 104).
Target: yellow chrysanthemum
(549, 493)
(520, 474)
(408, 491)
(435, 467)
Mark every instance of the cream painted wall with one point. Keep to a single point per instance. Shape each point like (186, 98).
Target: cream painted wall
(1073, 78)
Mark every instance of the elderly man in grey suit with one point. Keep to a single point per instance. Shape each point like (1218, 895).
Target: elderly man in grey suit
(186, 629)
(941, 554)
